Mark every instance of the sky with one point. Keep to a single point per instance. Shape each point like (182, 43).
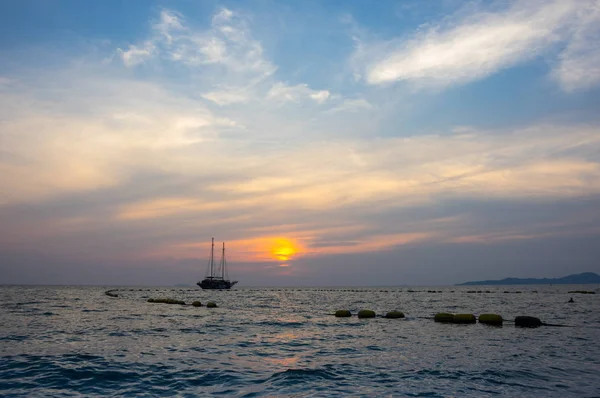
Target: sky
(328, 143)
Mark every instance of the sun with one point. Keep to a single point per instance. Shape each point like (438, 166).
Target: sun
(283, 249)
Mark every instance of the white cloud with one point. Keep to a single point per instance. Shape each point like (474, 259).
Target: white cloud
(227, 42)
(170, 21)
(226, 97)
(136, 55)
(579, 64)
(475, 46)
(226, 63)
(285, 93)
(352, 105)
(320, 96)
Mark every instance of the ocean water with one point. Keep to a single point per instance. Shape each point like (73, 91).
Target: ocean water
(70, 341)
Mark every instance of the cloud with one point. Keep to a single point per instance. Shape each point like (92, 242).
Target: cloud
(337, 189)
(474, 46)
(352, 105)
(284, 93)
(225, 57)
(169, 23)
(227, 97)
(57, 148)
(5, 81)
(136, 55)
(228, 43)
(579, 64)
(320, 96)
(138, 128)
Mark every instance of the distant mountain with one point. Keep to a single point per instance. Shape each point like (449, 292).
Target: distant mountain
(575, 279)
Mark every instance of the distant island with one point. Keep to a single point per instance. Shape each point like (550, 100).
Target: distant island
(575, 279)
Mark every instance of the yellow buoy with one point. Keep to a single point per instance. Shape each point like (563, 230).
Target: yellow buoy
(211, 304)
(443, 317)
(343, 314)
(197, 304)
(490, 319)
(366, 314)
(464, 318)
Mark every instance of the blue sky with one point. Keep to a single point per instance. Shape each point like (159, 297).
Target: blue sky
(418, 137)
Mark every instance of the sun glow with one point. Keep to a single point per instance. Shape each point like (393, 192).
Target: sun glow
(259, 249)
(283, 249)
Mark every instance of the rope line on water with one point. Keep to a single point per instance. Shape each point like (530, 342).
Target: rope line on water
(113, 293)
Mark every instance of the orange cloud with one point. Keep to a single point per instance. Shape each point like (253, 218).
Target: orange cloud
(259, 249)
(374, 243)
(270, 248)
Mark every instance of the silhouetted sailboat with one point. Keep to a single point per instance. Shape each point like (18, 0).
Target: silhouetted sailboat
(216, 278)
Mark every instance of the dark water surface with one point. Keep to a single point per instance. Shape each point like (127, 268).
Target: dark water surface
(68, 341)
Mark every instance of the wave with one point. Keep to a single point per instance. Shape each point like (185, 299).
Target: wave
(90, 374)
(303, 375)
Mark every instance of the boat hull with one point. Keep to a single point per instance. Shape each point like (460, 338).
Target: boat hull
(216, 284)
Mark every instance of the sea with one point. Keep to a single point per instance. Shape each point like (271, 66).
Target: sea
(77, 341)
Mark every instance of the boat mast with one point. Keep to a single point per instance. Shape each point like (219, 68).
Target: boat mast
(212, 251)
(223, 262)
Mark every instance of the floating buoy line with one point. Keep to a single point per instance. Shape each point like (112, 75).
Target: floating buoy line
(379, 291)
(196, 303)
(442, 317)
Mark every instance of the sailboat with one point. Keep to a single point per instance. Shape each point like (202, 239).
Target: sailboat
(217, 276)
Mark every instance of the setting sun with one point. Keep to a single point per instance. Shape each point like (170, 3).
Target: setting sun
(283, 249)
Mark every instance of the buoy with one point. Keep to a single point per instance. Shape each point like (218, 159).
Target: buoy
(443, 317)
(464, 318)
(150, 300)
(211, 304)
(197, 304)
(528, 322)
(490, 319)
(166, 301)
(343, 314)
(366, 314)
(394, 315)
